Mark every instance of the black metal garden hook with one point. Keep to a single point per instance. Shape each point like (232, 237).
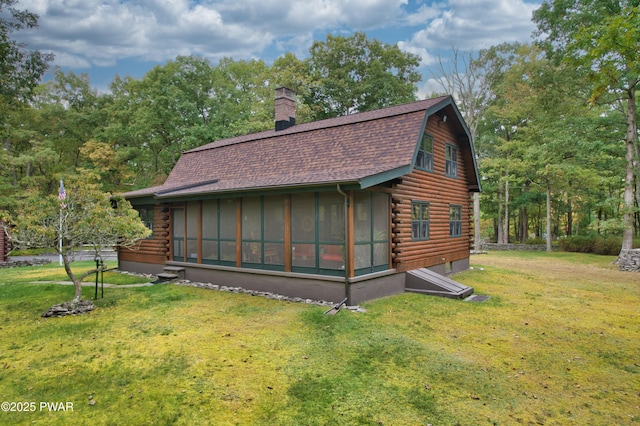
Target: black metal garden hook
(99, 270)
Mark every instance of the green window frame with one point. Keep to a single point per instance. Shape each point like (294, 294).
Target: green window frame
(317, 233)
(178, 234)
(263, 232)
(420, 220)
(455, 220)
(451, 161)
(424, 158)
(371, 222)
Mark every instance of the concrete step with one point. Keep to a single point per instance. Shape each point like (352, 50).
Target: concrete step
(173, 269)
(167, 276)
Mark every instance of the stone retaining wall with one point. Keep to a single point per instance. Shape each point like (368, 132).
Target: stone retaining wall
(18, 263)
(629, 260)
(513, 247)
(4, 244)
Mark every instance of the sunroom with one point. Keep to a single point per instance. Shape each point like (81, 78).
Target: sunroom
(302, 232)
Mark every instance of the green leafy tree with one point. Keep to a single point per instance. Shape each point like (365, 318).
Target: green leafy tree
(355, 74)
(87, 217)
(20, 69)
(600, 39)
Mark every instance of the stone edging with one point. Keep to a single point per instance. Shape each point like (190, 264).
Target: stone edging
(21, 263)
(265, 294)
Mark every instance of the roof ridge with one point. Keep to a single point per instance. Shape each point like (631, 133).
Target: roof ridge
(342, 120)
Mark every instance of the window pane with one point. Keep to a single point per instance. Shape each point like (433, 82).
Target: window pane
(415, 211)
(178, 223)
(274, 253)
(415, 230)
(273, 219)
(420, 160)
(252, 252)
(228, 219)
(331, 256)
(331, 217)
(192, 248)
(425, 212)
(303, 217)
(228, 251)
(427, 144)
(178, 234)
(192, 219)
(362, 217)
(210, 219)
(424, 230)
(209, 249)
(304, 255)
(428, 161)
(251, 219)
(380, 254)
(362, 254)
(380, 217)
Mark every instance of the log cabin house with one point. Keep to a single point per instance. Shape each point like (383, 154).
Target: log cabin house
(327, 210)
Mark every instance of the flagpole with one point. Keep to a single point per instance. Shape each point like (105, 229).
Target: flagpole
(60, 238)
(62, 195)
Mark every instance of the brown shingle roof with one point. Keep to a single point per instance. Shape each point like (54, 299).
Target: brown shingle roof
(348, 149)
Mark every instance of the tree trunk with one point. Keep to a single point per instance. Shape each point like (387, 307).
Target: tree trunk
(500, 239)
(569, 216)
(477, 238)
(77, 281)
(505, 233)
(548, 217)
(631, 135)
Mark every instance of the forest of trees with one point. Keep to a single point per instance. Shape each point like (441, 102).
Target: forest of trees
(554, 121)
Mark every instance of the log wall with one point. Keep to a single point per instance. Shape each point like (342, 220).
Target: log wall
(155, 249)
(440, 192)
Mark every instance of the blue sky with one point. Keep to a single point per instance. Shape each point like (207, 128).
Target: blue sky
(128, 37)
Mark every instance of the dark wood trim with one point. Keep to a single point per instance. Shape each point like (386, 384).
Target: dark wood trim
(239, 233)
(199, 232)
(350, 237)
(287, 233)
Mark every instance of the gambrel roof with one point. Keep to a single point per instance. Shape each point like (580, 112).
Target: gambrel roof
(363, 149)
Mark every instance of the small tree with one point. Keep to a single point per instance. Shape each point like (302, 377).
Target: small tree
(83, 217)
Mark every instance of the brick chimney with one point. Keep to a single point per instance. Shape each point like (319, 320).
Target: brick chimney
(285, 103)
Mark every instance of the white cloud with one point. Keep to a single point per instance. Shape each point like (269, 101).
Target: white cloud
(104, 31)
(472, 24)
(99, 33)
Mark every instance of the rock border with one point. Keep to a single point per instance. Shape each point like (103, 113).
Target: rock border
(266, 294)
(69, 308)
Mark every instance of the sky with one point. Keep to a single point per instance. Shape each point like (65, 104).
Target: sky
(103, 38)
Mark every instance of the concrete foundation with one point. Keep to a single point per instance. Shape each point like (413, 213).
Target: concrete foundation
(291, 284)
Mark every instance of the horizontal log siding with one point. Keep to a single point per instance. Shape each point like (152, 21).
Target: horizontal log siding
(440, 192)
(153, 250)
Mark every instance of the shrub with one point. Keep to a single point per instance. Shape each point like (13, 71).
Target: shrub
(536, 240)
(577, 243)
(608, 245)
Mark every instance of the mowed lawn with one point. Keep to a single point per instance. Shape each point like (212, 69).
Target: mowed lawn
(557, 343)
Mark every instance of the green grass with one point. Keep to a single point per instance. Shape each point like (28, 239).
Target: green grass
(54, 272)
(557, 343)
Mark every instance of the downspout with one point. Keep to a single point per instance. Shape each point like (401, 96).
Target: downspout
(347, 260)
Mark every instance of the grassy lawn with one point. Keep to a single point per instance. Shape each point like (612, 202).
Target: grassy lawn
(558, 342)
